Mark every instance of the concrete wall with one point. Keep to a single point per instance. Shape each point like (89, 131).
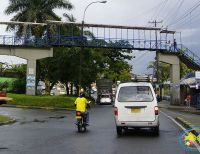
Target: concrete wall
(174, 62)
(31, 55)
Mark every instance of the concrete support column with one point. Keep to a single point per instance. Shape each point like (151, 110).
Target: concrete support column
(175, 86)
(31, 55)
(174, 62)
(175, 73)
(31, 77)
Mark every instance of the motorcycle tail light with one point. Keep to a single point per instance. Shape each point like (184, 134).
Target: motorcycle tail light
(78, 113)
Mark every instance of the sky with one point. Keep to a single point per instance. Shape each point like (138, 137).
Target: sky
(179, 15)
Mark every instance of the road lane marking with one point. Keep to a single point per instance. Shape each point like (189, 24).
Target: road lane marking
(185, 130)
(169, 117)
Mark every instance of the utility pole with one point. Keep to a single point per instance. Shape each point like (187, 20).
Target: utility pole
(155, 25)
(157, 63)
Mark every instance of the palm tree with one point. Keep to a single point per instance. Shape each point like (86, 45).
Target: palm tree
(34, 11)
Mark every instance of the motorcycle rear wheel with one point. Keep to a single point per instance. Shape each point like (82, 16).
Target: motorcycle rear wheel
(81, 128)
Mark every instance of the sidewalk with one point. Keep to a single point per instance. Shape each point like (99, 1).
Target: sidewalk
(188, 117)
(166, 104)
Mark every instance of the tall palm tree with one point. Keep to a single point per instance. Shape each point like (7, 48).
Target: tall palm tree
(34, 11)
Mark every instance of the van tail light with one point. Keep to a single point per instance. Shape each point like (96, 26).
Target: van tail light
(156, 109)
(78, 113)
(116, 111)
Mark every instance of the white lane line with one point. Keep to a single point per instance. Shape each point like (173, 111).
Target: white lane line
(185, 130)
(169, 117)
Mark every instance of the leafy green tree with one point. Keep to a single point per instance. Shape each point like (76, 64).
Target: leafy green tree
(112, 64)
(3, 68)
(64, 66)
(4, 85)
(47, 72)
(38, 11)
(19, 85)
(184, 70)
(163, 70)
(34, 11)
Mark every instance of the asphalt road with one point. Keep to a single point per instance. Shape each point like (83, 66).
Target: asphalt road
(54, 132)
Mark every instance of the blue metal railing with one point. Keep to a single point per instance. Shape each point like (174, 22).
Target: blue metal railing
(182, 50)
(100, 42)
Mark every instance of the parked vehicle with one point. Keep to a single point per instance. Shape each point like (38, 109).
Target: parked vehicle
(104, 87)
(136, 107)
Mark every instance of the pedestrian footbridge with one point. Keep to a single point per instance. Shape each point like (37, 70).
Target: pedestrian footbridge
(70, 34)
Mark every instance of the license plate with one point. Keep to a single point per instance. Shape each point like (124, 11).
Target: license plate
(78, 117)
(135, 110)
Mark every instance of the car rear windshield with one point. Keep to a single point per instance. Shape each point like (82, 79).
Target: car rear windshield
(135, 94)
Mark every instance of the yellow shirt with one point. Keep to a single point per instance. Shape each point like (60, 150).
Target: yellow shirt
(81, 104)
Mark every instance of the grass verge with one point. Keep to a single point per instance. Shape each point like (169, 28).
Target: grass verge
(4, 119)
(42, 101)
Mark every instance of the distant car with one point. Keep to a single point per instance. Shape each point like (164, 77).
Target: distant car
(136, 107)
(105, 99)
(58, 91)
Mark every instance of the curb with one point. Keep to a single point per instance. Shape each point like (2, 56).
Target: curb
(187, 125)
(36, 107)
(181, 110)
(8, 122)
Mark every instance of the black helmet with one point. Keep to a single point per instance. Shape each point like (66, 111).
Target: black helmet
(82, 94)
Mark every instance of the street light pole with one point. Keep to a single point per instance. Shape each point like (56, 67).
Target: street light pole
(82, 46)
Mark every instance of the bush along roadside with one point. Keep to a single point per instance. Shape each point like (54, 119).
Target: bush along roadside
(50, 102)
(4, 120)
(42, 102)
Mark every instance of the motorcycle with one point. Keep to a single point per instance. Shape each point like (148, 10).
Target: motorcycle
(81, 121)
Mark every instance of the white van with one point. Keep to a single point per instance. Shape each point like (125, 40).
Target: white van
(136, 107)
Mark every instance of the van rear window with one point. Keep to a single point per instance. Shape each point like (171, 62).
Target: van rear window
(135, 94)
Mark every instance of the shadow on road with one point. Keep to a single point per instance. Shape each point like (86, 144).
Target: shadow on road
(138, 133)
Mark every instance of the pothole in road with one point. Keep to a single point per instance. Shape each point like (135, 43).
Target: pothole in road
(35, 120)
(57, 117)
(3, 148)
(41, 121)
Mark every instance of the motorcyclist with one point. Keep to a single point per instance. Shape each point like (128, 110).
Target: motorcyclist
(81, 104)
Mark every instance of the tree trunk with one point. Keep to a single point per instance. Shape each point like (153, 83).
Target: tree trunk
(77, 90)
(71, 88)
(67, 88)
(47, 87)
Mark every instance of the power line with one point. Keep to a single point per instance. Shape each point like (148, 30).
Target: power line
(174, 13)
(192, 9)
(163, 10)
(141, 56)
(156, 7)
(162, 5)
(187, 20)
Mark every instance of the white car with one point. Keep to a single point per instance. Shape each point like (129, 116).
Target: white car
(105, 99)
(136, 107)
